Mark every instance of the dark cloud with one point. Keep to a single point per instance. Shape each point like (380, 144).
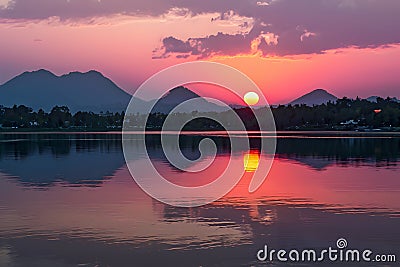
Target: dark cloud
(307, 26)
(203, 47)
(302, 26)
(171, 45)
(76, 9)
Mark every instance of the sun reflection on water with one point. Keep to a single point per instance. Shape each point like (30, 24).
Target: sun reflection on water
(251, 161)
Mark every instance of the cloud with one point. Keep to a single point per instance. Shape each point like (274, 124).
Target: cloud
(348, 3)
(310, 27)
(259, 3)
(264, 38)
(171, 45)
(203, 47)
(5, 4)
(244, 24)
(303, 26)
(306, 35)
(78, 9)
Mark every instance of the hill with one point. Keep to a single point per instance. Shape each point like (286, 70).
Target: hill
(316, 97)
(181, 94)
(89, 91)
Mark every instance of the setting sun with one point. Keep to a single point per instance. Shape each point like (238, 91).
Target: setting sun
(251, 98)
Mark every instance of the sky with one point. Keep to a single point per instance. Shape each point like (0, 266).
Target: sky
(288, 47)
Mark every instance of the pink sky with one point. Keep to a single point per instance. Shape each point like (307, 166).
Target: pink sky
(350, 48)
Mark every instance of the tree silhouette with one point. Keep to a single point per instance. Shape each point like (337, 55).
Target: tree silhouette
(344, 114)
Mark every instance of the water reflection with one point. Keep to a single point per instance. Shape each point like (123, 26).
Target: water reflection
(318, 190)
(251, 161)
(91, 158)
(44, 159)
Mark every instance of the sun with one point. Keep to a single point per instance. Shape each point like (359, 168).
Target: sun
(251, 98)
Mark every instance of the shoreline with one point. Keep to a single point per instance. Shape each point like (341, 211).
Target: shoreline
(321, 133)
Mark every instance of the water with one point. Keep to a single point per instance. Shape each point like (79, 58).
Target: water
(68, 200)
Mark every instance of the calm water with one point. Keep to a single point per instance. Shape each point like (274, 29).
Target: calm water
(68, 200)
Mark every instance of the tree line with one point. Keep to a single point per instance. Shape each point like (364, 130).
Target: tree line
(344, 114)
(59, 117)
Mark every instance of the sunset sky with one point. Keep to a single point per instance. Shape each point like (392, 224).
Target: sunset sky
(288, 47)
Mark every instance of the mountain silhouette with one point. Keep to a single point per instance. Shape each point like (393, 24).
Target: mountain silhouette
(181, 94)
(316, 97)
(92, 91)
(89, 91)
(178, 95)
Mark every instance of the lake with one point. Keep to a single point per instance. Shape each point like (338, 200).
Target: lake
(68, 199)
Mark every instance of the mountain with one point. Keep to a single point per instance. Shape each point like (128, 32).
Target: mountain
(89, 91)
(316, 97)
(181, 94)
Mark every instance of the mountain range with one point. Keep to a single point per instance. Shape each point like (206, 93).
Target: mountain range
(92, 91)
(89, 91)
